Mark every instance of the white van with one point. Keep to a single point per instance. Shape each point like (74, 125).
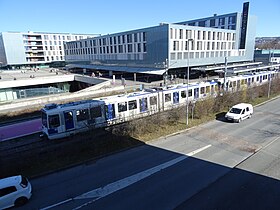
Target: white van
(14, 191)
(239, 112)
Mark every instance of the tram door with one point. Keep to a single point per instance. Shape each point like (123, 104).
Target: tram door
(69, 121)
(110, 111)
(261, 78)
(143, 104)
(196, 93)
(175, 97)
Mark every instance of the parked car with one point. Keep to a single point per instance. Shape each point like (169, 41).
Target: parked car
(14, 191)
(239, 112)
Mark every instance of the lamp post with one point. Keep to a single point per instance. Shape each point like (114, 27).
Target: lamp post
(188, 75)
(165, 74)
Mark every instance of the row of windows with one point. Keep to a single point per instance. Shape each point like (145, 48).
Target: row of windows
(248, 81)
(113, 40)
(53, 53)
(53, 47)
(215, 22)
(200, 35)
(129, 48)
(200, 45)
(54, 42)
(211, 54)
(57, 58)
(62, 37)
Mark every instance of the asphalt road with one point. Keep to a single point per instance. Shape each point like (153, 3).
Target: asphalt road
(218, 165)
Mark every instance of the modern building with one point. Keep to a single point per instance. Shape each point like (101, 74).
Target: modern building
(169, 46)
(19, 49)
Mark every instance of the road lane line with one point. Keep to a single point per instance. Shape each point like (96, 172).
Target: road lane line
(101, 192)
(120, 184)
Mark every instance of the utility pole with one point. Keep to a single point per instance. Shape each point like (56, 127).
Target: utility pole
(225, 75)
(165, 74)
(188, 75)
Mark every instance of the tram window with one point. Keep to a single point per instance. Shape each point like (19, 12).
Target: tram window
(167, 97)
(82, 114)
(95, 112)
(258, 78)
(132, 105)
(202, 90)
(190, 93)
(153, 100)
(208, 89)
(54, 121)
(122, 107)
(183, 94)
(253, 79)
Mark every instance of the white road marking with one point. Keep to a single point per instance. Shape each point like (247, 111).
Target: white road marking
(122, 183)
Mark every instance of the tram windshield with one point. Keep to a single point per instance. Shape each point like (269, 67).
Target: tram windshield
(54, 121)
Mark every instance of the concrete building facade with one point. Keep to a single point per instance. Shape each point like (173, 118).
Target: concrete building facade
(34, 48)
(197, 42)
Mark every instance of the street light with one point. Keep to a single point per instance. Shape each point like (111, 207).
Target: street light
(188, 75)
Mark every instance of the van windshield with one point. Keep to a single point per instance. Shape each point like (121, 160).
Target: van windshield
(235, 111)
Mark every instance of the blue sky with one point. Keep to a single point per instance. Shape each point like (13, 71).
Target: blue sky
(112, 16)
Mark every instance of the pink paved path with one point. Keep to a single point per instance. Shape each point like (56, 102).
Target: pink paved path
(20, 129)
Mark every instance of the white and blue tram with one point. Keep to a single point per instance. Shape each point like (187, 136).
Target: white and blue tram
(63, 120)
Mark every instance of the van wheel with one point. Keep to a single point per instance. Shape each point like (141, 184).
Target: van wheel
(239, 120)
(21, 201)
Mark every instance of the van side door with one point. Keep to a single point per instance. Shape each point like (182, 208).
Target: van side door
(7, 196)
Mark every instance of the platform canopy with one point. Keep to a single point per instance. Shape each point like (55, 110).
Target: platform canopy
(129, 69)
(219, 67)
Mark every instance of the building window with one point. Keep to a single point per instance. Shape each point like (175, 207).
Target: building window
(181, 34)
(209, 35)
(221, 21)
(129, 38)
(175, 45)
(120, 49)
(171, 33)
(129, 48)
(144, 36)
(188, 34)
(201, 23)
(144, 47)
(212, 22)
(139, 47)
(135, 37)
(198, 35)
